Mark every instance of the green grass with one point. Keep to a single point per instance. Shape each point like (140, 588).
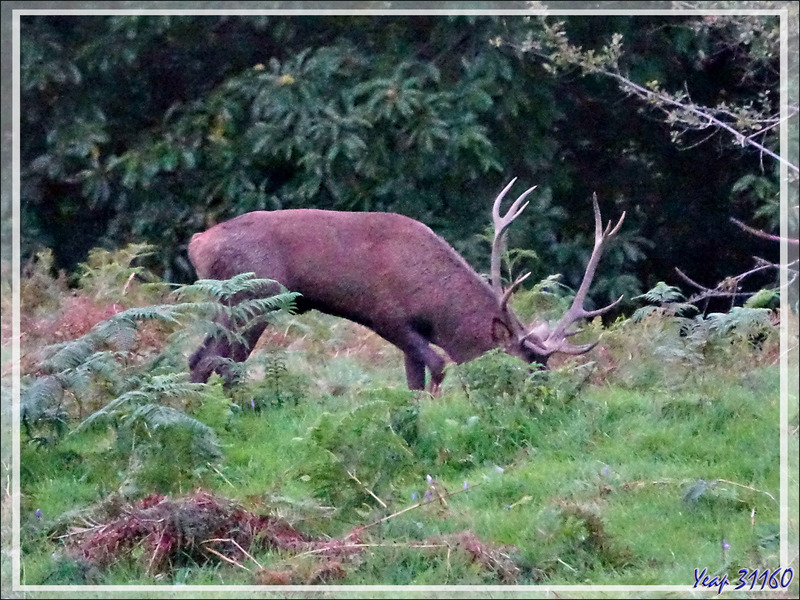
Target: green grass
(576, 478)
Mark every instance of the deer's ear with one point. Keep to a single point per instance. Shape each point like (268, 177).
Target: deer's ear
(501, 333)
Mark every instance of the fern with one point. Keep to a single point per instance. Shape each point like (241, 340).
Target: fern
(167, 313)
(117, 332)
(41, 405)
(229, 323)
(686, 349)
(678, 339)
(232, 306)
(107, 273)
(662, 293)
(236, 306)
(151, 433)
(252, 309)
(742, 321)
(548, 298)
(668, 300)
(143, 401)
(68, 355)
(549, 283)
(274, 375)
(347, 476)
(91, 366)
(279, 386)
(240, 299)
(156, 419)
(158, 389)
(76, 371)
(103, 364)
(149, 427)
(244, 284)
(640, 314)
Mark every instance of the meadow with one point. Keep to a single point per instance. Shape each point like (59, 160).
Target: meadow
(645, 462)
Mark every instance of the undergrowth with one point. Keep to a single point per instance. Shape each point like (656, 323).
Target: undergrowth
(653, 455)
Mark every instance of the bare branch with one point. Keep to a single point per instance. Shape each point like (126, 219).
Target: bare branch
(369, 491)
(728, 287)
(764, 234)
(721, 291)
(418, 504)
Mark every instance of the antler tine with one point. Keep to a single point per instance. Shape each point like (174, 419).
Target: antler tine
(599, 232)
(556, 339)
(599, 311)
(572, 349)
(501, 224)
(507, 294)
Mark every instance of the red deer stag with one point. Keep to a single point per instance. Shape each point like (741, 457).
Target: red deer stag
(389, 273)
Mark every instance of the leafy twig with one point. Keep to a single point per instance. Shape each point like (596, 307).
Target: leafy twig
(701, 112)
(678, 107)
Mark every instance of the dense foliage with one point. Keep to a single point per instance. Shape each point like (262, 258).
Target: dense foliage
(150, 128)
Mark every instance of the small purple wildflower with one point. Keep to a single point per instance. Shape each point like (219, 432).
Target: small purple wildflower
(38, 513)
(725, 545)
(428, 495)
(429, 478)
(414, 496)
(253, 403)
(606, 470)
(466, 485)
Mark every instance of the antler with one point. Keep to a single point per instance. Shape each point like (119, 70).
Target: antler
(501, 224)
(555, 341)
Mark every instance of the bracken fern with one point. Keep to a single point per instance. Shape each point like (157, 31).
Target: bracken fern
(142, 402)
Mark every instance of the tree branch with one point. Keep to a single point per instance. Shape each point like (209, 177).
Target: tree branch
(605, 63)
(703, 112)
(764, 234)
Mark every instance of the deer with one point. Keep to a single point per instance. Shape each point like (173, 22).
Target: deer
(393, 275)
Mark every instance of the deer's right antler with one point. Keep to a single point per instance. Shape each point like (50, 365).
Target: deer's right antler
(555, 340)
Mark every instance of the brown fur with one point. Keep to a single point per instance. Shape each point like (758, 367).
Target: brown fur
(382, 270)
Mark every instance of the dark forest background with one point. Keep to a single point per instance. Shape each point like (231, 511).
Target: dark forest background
(152, 128)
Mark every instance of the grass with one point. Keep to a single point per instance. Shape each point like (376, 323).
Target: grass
(596, 473)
